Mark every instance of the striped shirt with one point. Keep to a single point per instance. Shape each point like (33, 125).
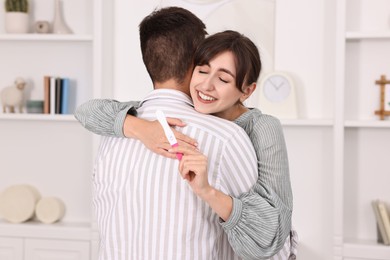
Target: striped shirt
(145, 210)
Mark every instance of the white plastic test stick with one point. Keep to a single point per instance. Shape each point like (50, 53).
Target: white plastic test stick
(168, 131)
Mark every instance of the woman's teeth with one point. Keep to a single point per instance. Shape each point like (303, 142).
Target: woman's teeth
(206, 98)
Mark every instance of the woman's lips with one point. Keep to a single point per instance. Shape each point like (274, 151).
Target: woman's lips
(205, 98)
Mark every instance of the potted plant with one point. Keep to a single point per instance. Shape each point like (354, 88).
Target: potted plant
(16, 16)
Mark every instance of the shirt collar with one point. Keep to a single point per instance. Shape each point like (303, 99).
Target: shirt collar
(169, 95)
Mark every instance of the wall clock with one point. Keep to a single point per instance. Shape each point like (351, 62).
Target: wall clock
(277, 95)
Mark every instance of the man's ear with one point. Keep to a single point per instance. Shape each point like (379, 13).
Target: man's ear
(247, 92)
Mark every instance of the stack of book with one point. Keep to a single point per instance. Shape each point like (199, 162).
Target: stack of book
(56, 95)
(382, 220)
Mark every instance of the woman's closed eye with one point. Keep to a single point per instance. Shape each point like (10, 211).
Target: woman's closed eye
(223, 80)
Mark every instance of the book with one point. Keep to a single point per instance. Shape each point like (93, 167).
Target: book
(46, 91)
(58, 95)
(382, 235)
(52, 95)
(385, 217)
(65, 96)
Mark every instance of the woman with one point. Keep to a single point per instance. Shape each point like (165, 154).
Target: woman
(227, 66)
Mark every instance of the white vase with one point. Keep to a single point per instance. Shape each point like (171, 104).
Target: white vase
(16, 22)
(59, 24)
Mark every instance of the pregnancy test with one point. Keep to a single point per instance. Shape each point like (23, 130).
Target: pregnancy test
(168, 131)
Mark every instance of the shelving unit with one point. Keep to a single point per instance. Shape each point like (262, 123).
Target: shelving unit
(46, 37)
(307, 122)
(361, 172)
(52, 152)
(38, 117)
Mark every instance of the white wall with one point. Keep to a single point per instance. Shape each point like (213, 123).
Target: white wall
(303, 48)
(304, 44)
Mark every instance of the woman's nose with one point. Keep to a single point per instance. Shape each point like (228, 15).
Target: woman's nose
(208, 83)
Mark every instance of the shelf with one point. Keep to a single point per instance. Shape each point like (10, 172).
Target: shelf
(45, 37)
(367, 35)
(368, 123)
(307, 122)
(366, 249)
(60, 230)
(38, 117)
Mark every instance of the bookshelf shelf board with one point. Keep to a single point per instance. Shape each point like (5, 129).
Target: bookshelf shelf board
(307, 122)
(46, 37)
(367, 123)
(34, 229)
(367, 35)
(38, 117)
(367, 249)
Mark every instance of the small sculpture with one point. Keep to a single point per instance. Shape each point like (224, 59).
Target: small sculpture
(12, 96)
(382, 112)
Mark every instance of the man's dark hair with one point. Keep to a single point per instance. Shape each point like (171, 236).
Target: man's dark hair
(247, 57)
(169, 37)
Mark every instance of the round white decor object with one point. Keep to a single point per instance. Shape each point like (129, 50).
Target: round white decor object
(50, 210)
(17, 203)
(277, 95)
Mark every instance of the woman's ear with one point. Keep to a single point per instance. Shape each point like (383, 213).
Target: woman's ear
(247, 91)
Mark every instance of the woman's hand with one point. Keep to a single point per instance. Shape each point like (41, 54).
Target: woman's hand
(151, 134)
(193, 168)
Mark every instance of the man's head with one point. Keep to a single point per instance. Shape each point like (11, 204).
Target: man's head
(169, 37)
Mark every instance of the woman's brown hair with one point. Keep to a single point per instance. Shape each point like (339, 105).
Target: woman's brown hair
(247, 57)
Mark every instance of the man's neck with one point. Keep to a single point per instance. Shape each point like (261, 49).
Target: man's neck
(174, 84)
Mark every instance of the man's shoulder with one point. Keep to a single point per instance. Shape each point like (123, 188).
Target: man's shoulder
(215, 125)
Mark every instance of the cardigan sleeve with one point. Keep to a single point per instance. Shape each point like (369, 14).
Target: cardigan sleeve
(105, 116)
(260, 220)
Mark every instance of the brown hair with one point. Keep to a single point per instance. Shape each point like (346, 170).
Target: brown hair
(169, 37)
(247, 57)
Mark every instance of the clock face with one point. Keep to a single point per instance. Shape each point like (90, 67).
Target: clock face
(276, 88)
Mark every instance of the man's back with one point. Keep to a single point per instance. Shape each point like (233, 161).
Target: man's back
(146, 210)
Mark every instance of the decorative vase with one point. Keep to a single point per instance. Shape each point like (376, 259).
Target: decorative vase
(16, 22)
(59, 24)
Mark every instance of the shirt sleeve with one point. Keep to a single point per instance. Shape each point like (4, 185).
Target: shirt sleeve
(260, 220)
(105, 116)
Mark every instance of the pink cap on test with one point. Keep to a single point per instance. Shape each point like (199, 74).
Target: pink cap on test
(178, 155)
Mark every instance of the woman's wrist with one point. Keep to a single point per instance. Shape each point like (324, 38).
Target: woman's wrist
(208, 194)
(221, 203)
(132, 126)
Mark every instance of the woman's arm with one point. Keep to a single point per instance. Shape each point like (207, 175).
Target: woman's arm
(105, 116)
(193, 168)
(112, 118)
(259, 221)
(245, 228)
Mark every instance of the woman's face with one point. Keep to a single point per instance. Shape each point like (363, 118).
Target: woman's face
(213, 87)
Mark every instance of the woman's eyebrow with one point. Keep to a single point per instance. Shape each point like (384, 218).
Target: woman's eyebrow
(227, 71)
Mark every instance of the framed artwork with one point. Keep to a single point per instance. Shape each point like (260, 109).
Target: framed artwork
(253, 18)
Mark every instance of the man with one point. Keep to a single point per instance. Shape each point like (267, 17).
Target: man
(145, 210)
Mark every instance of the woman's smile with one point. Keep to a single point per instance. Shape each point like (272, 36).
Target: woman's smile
(205, 98)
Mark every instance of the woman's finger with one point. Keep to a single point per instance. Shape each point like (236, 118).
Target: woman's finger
(184, 138)
(165, 153)
(185, 150)
(187, 145)
(175, 122)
